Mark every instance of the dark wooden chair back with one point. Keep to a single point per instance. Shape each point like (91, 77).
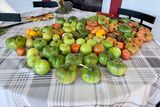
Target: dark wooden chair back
(14, 17)
(142, 16)
(44, 4)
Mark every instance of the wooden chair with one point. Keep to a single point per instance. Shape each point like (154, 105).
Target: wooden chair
(14, 17)
(142, 16)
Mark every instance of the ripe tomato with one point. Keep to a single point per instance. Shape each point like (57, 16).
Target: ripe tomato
(98, 48)
(21, 51)
(89, 27)
(75, 48)
(92, 23)
(120, 45)
(126, 54)
(56, 25)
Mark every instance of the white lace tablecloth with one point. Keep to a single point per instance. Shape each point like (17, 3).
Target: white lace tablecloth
(21, 87)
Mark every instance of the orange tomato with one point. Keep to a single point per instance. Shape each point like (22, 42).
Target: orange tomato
(56, 25)
(98, 48)
(126, 54)
(75, 48)
(92, 23)
(94, 30)
(31, 32)
(21, 51)
(120, 45)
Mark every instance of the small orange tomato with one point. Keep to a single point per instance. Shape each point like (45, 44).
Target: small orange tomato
(98, 48)
(75, 48)
(56, 25)
(21, 51)
(94, 30)
(120, 45)
(92, 23)
(126, 54)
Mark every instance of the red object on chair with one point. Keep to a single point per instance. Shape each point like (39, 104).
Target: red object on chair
(114, 6)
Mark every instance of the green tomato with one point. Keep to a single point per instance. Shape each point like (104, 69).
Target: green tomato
(42, 67)
(47, 29)
(39, 43)
(80, 26)
(91, 59)
(92, 42)
(15, 42)
(29, 43)
(57, 61)
(50, 51)
(115, 51)
(47, 36)
(32, 52)
(68, 40)
(91, 74)
(76, 35)
(102, 19)
(74, 58)
(80, 41)
(124, 28)
(65, 49)
(66, 74)
(103, 58)
(84, 32)
(72, 18)
(67, 29)
(32, 60)
(86, 49)
(107, 44)
(67, 24)
(56, 37)
(60, 20)
(116, 67)
(56, 43)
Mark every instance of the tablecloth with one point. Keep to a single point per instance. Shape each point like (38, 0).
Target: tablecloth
(21, 87)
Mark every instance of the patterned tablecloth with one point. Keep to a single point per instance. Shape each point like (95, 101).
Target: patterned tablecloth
(21, 87)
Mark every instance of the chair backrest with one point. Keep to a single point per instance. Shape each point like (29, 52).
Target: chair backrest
(44, 4)
(14, 17)
(142, 16)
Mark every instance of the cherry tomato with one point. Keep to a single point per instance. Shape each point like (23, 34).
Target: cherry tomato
(21, 51)
(75, 48)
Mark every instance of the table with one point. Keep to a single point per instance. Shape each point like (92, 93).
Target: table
(21, 87)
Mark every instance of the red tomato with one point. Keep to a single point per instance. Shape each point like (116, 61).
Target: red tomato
(126, 54)
(92, 23)
(120, 45)
(56, 25)
(21, 51)
(75, 48)
(98, 48)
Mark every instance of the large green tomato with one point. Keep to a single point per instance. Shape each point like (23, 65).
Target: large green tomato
(103, 58)
(65, 49)
(86, 49)
(80, 26)
(42, 67)
(91, 74)
(66, 74)
(115, 51)
(124, 28)
(47, 36)
(32, 60)
(68, 40)
(67, 29)
(80, 41)
(39, 43)
(107, 44)
(57, 61)
(15, 42)
(72, 18)
(32, 52)
(47, 29)
(92, 42)
(91, 59)
(56, 43)
(74, 58)
(50, 51)
(84, 32)
(117, 67)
